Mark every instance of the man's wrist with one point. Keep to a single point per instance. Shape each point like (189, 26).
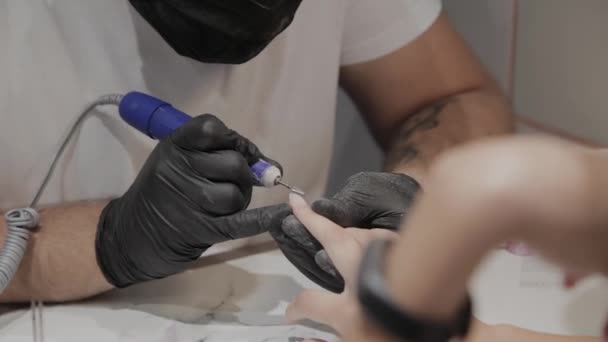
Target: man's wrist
(60, 262)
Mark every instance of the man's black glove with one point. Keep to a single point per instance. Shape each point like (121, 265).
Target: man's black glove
(189, 195)
(368, 200)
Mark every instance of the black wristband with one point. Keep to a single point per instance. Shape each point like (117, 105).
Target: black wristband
(379, 307)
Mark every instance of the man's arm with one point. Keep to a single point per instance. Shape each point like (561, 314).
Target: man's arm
(60, 262)
(418, 101)
(426, 97)
(157, 228)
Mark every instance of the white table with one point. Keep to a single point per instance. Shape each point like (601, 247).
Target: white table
(233, 296)
(528, 293)
(241, 296)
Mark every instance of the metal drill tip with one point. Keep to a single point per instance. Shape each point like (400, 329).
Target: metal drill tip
(291, 188)
(297, 191)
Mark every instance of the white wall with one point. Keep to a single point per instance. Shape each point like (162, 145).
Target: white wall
(561, 79)
(487, 27)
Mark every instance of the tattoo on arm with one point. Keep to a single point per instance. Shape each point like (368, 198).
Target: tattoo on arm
(404, 150)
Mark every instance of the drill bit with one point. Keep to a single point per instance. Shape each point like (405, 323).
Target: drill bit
(291, 188)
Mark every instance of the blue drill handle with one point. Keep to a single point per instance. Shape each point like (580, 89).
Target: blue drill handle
(151, 116)
(158, 119)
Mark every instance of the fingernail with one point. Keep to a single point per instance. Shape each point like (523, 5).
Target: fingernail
(296, 201)
(572, 279)
(518, 248)
(569, 282)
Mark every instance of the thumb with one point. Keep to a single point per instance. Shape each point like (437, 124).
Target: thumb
(390, 220)
(252, 222)
(203, 133)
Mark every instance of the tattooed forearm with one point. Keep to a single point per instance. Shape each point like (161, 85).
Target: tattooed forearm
(404, 149)
(421, 137)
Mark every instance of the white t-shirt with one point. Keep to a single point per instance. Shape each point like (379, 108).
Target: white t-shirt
(58, 55)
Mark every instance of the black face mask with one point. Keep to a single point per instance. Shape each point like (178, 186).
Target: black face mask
(218, 31)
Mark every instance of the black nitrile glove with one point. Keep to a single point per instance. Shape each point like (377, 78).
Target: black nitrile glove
(189, 195)
(368, 200)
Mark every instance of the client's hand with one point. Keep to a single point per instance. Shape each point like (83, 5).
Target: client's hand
(341, 311)
(345, 248)
(367, 200)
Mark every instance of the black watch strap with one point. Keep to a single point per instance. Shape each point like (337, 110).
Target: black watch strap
(379, 307)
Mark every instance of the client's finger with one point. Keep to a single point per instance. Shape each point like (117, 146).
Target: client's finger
(364, 236)
(319, 226)
(343, 250)
(319, 306)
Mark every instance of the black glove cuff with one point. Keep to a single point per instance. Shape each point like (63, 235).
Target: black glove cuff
(106, 251)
